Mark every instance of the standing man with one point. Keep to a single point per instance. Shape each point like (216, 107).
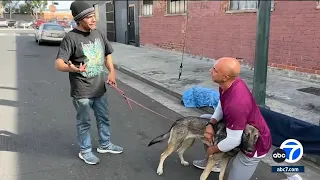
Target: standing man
(84, 53)
(238, 108)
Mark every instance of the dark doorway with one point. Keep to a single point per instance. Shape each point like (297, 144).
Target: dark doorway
(131, 25)
(111, 31)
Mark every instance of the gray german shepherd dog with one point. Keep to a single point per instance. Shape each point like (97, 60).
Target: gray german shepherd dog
(186, 130)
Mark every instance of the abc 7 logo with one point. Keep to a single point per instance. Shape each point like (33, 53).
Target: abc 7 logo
(279, 155)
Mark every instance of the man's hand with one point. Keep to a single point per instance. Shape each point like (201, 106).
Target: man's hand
(208, 134)
(73, 68)
(112, 76)
(112, 79)
(212, 150)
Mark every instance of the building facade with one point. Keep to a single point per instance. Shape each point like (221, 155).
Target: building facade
(119, 20)
(215, 29)
(60, 14)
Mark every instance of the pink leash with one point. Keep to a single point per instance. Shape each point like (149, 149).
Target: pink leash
(129, 99)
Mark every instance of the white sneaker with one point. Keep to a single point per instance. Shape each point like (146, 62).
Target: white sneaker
(295, 177)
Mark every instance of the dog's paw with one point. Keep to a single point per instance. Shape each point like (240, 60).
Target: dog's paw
(159, 171)
(185, 163)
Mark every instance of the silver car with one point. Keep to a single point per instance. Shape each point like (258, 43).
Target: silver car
(3, 22)
(50, 33)
(22, 24)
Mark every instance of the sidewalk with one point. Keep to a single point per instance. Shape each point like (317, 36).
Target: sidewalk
(160, 68)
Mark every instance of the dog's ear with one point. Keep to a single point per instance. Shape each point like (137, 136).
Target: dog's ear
(254, 133)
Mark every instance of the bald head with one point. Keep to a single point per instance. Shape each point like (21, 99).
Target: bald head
(228, 66)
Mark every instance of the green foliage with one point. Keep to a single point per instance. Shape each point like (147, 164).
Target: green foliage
(36, 4)
(27, 6)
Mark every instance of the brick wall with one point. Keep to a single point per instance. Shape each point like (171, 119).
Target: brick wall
(294, 33)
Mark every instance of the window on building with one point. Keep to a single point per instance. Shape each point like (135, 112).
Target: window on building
(246, 5)
(147, 8)
(176, 6)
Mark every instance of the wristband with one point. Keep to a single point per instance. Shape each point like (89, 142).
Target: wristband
(210, 123)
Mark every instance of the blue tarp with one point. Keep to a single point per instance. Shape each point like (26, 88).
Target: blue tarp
(284, 127)
(200, 97)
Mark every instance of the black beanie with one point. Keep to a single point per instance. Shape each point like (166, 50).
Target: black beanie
(80, 10)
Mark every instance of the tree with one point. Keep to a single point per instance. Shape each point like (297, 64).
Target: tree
(9, 6)
(35, 6)
(24, 9)
(29, 7)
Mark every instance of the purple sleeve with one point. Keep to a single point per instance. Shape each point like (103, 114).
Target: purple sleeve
(236, 116)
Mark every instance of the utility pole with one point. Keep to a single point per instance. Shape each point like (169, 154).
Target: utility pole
(261, 52)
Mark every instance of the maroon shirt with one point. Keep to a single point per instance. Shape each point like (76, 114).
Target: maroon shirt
(239, 109)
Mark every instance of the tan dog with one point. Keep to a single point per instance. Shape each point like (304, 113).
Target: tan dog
(185, 131)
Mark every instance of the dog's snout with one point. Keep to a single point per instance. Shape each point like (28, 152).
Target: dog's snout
(250, 150)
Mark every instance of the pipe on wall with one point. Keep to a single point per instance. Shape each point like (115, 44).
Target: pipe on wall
(125, 37)
(127, 33)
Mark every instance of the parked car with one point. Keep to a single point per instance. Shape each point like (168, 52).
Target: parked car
(22, 24)
(37, 23)
(3, 22)
(50, 33)
(11, 22)
(63, 23)
(73, 24)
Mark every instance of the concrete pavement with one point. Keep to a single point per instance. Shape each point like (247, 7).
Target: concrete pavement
(37, 129)
(160, 68)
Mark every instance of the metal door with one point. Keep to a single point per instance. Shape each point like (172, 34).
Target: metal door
(131, 25)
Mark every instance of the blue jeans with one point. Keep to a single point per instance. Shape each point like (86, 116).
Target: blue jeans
(100, 108)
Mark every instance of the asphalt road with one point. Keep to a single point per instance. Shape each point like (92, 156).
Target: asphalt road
(37, 129)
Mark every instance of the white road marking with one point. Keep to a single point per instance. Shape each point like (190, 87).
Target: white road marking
(9, 29)
(16, 34)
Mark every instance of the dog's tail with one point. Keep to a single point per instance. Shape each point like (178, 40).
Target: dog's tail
(163, 136)
(159, 138)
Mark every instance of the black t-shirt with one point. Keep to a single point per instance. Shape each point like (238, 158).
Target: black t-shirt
(88, 48)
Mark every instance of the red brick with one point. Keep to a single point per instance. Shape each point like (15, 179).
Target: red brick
(291, 67)
(306, 70)
(282, 66)
(309, 32)
(294, 40)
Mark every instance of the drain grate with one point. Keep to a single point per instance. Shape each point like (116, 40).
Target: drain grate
(311, 90)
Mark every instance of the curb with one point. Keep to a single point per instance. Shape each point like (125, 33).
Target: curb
(153, 83)
(146, 80)
(164, 88)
